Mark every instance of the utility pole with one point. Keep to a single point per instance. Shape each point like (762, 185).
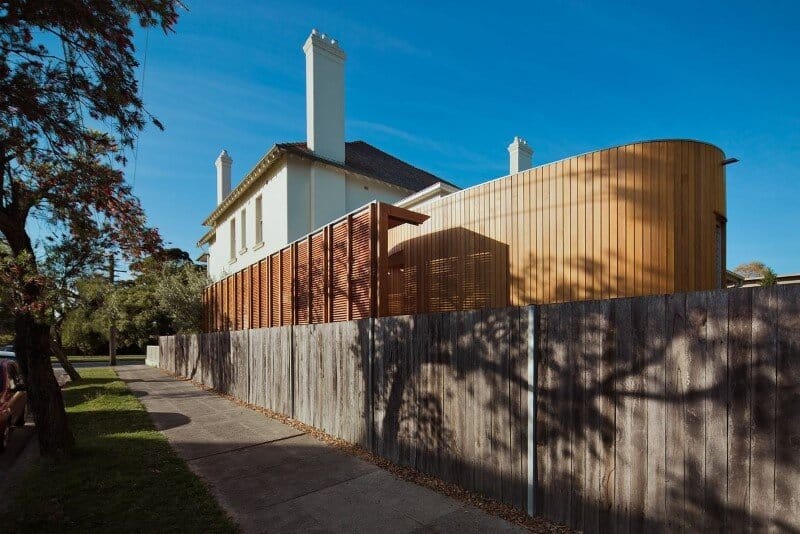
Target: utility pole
(112, 333)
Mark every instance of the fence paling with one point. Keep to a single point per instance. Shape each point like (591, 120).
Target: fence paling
(661, 412)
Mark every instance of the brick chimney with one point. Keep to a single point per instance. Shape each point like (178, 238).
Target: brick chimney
(324, 96)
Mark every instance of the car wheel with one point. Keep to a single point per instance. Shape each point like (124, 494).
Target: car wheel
(21, 421)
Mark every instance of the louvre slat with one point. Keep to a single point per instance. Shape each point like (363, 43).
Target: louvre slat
(263, 300)
(286, 297)
(301, 283)
(325, 277)
(340, 274)
(276, 290)
(255, 295)
(238, 293)
(317, 262)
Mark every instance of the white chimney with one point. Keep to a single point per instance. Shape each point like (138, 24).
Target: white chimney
(520, 156)
(324, 96)
(223, 164)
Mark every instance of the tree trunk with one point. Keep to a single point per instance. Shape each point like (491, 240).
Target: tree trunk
(58, 352)
(32, 347)
(112, 346)
(33, 351)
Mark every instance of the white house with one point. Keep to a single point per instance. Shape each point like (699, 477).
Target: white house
(298, 187)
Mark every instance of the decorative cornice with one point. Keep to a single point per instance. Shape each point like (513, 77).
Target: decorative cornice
(520, 144)
(224, 157)
(324, 43)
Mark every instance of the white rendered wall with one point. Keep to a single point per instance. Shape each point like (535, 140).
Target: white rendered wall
(361, 191)
(317, 196)
(273, 190)
(297, 200)
(298, 197)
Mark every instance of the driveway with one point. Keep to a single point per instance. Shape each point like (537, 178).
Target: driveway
(271, 477)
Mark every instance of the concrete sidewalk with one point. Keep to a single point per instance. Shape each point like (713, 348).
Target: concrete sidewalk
(271, 477)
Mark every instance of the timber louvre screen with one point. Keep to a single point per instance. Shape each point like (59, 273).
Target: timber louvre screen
(332, 274)
(327, 276)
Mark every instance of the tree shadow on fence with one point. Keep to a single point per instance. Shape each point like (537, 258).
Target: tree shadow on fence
(677, 410)
(663, 412)
(668, 412)
(450, 270)
(448, 397)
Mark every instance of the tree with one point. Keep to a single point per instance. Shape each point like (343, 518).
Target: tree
(166, 257)
(131, 308)
(753, 269)
(179, 294)
(84, 326)
(64, 65)
(6, 323)
(164, 291)
(6, 315)
(66, 262)
(769, 278)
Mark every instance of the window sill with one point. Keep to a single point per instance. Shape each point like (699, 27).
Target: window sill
(231, 261)
(242, 251)
(258, 245)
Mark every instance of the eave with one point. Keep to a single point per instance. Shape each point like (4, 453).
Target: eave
(207, 237)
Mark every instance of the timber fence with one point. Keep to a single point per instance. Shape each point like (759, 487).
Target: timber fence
(677, 412)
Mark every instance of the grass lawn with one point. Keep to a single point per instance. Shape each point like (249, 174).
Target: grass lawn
(122, 477)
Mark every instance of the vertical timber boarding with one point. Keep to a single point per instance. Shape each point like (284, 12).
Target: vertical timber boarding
(632, 220)
(652, 413)
(531, 421)
(671, 412)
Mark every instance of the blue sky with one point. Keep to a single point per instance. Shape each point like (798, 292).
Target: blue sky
(446, 86)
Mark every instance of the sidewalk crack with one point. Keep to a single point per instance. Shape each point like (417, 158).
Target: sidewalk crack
(245, 447)
(319, 489)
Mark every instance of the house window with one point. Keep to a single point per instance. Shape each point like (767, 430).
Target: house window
(719, 251)
(233, 239)
(259, 220)
(243, 224)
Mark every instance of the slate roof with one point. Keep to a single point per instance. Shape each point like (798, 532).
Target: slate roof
(360, 157)
(363, 158)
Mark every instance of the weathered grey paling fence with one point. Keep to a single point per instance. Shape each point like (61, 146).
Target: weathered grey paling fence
(677, 412)
(450, 393)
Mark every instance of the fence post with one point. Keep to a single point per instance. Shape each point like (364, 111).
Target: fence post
(532, 475)
(370, 404)
(292, 373)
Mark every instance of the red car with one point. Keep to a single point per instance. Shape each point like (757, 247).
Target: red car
(13, 400)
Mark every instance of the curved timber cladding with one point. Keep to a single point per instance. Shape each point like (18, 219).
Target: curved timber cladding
(637, 219)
